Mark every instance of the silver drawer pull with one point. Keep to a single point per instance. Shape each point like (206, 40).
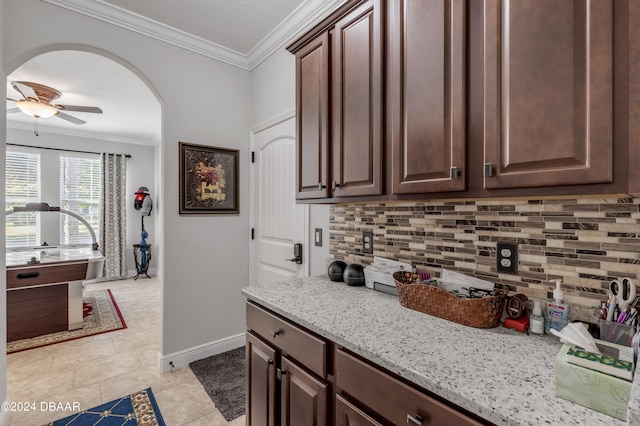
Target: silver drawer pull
(414, 420)
(275, 333)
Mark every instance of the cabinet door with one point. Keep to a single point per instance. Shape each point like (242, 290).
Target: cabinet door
(357, 102)
(548, 92)
(261, 383)
(312, 96)
(427, 95)
(303, 398)
(348, 414)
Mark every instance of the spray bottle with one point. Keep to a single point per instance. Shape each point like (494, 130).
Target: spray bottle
(557, 311)
(536, 324)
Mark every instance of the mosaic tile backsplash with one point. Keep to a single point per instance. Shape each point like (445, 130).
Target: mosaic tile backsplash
(586, 242)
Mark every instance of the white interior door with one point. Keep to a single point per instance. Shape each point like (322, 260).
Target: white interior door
(277, 221)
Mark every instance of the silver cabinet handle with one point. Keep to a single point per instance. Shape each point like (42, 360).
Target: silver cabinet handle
(415, 420)
(280, 373)
(454, 172)
(488, 169)
(275, 333)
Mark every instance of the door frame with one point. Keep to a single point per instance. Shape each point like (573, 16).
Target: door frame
(280, 118)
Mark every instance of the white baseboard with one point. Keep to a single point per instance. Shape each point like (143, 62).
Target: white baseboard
(4, 416)
(184, 358)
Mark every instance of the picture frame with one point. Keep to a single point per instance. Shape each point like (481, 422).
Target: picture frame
(209, 179)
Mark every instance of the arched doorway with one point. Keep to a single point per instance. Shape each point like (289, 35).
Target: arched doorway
(130, 124)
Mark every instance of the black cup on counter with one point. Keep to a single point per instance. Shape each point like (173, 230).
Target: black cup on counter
(354, 275)
(336, 270)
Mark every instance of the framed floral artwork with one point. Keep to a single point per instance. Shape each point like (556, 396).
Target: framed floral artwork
(209, 179)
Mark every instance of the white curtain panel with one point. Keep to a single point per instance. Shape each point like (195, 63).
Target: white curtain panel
(113, 215)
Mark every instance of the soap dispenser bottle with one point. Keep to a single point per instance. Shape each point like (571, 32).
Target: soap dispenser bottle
(557, 311)
(536, 324)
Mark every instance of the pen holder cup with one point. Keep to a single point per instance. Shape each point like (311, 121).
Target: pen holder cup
(614, 332)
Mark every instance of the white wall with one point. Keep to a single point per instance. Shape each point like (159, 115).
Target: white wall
(4, 417)
(203, 259)
(274, 92)
(140, 172)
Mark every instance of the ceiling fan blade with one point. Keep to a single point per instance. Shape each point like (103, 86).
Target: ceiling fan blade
(69, 118)
(25, 90)
(79, 108)
(13, 110)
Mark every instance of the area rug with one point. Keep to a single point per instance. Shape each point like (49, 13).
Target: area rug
(101, 315)
(222, 376)
(139, 408)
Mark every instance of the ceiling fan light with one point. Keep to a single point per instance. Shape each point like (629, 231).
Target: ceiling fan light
(36, 109)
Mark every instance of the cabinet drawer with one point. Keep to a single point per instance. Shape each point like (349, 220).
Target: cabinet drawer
(391, 398)
(300, 345)
(37, 275)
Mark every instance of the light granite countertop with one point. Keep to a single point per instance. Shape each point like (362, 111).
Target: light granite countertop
(499, 374)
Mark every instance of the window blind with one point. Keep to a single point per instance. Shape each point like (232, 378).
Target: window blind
(22, 186)
(80, 184)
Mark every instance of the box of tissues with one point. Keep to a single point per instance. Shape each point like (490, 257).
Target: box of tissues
(599, 391)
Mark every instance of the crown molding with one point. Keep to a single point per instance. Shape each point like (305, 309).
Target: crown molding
(308, 13)
(137, 23)
(305, 16)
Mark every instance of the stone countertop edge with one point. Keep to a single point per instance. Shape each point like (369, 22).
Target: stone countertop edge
(503, 376)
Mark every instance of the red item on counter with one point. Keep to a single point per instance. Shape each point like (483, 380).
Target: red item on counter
(518, 324)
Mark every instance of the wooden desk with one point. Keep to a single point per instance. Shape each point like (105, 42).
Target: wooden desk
(44, 298)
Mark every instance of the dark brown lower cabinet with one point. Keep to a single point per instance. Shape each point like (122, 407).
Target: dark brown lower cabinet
(303, 397)
(279, 392)
(286, 369)
(348, 414)
(298, 378)
(261, 383)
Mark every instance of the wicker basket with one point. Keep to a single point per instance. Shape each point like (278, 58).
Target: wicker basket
(479, 313)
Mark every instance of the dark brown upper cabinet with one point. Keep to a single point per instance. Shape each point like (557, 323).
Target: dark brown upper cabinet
(427, 95)
(548, 85)
(408, 99)
(357, 70)
(339, 104)
(312, 106)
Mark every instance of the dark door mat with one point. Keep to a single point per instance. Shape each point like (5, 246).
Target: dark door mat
(222, 376)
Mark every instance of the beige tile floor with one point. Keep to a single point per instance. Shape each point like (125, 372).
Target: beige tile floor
(100, 368)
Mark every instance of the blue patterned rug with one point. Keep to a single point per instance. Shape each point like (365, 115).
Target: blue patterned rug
(138, 409)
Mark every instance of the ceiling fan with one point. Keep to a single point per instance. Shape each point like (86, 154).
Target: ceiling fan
(37, 102)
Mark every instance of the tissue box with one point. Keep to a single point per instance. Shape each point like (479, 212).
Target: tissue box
(598, 391)
(379, 275)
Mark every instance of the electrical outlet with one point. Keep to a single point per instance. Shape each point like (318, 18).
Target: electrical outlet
(507, 258)
(367, 242)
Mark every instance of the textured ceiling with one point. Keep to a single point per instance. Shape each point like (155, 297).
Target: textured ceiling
(236, 24)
